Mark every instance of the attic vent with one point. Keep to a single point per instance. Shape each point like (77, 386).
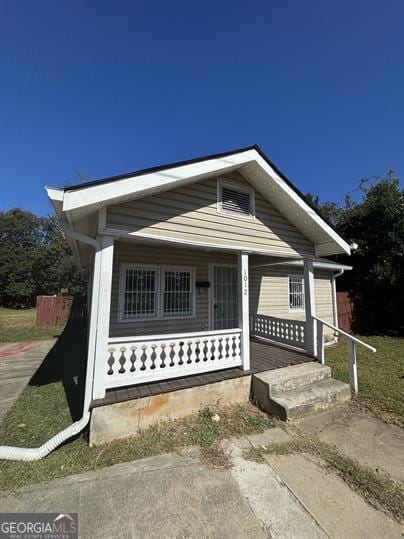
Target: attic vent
(236, 201)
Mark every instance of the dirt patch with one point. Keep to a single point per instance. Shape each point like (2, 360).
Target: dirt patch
(215, 457)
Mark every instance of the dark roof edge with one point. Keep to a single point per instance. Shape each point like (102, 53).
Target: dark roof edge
(206, 158)
(161, 167)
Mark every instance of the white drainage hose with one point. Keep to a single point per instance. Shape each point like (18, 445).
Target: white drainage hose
(36, 453)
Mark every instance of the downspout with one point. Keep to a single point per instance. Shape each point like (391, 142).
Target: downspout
(36, 453)
(334, 296)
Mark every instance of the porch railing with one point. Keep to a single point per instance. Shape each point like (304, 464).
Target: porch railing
(281, 330)
(351, 348)
(136, 360)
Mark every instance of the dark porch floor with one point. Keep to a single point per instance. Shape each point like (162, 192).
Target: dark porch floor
(264, 356)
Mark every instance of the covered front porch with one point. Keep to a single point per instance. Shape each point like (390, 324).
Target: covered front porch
(159, 351)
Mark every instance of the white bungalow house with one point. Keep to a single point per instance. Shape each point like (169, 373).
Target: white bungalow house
(196, 270)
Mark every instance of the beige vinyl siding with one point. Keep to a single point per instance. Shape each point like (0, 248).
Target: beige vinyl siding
(269, 288)
(269, 293)
(190, 213)
(324, 301)
(136, 253)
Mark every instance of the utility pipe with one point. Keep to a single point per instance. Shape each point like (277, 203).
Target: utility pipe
(334, 295)
(36, 453)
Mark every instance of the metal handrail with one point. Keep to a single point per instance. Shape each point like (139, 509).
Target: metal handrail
(342, 332)
(351, 344)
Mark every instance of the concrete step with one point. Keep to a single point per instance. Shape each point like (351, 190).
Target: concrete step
(312, 398)
(298, 390)
(294, 376)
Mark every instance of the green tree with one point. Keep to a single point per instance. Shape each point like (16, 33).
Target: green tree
(375, 223)
(34, 259)
(330, 211)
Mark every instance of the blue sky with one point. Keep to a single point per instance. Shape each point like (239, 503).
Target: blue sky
(99, 88)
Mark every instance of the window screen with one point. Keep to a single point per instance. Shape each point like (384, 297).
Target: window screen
(296, 293)
(236, 202)
(140, 293)
(178, 300)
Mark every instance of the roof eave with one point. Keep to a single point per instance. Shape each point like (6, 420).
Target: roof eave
(56, 197)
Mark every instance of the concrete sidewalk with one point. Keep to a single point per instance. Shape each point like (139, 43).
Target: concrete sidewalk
(165, 496)
(361, 436)
(175, 496)
(18, 363)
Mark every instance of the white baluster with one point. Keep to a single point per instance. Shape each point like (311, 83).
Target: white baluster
(158, 351)
(143, 357)
(238, 346)
(193, 356)
(111, 361)
(177, 349)
(122, 360)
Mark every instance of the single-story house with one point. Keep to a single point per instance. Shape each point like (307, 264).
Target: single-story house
(202, 273)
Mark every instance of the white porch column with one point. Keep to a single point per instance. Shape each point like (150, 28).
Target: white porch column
(92, 322)
(310, 307)
(244, 308)
(102, 323)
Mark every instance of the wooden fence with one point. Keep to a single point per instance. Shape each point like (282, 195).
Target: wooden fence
(56, 310)
(345, 311)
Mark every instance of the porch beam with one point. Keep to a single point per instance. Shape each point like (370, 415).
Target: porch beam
(104, 307)
(244, 319)
(310, 307)
(165, 240)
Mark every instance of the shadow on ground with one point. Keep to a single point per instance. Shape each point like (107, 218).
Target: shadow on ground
(66, 363)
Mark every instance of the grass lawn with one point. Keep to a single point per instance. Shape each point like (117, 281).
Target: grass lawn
(19, 325)
(380, 375)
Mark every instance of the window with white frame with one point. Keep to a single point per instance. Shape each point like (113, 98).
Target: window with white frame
(296, 293)
(156, 292)
(177, 293)
(139, 287)
(235, 200)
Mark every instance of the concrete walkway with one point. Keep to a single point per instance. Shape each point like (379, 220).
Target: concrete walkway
(175, 496)
(166, 496)
(18, 363)
(361, 436)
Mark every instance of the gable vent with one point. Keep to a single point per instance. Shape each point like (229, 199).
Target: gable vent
(236, 202)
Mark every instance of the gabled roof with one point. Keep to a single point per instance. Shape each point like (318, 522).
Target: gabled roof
(82, 199)
(159, 168)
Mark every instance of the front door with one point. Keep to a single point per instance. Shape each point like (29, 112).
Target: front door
(225, 297)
